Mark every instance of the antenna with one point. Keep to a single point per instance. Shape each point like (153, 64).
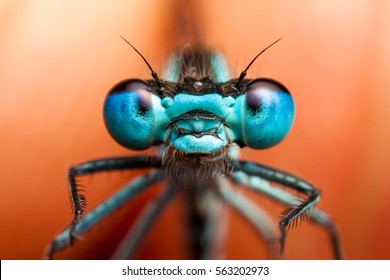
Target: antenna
(243, 73)
(154, 74)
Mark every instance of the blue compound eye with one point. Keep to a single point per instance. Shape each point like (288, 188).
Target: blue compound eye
(268, 113)
(128, 114)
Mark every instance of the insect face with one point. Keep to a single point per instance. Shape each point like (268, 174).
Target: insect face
(201, 119)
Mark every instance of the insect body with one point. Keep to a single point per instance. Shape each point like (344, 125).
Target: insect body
(200, 118)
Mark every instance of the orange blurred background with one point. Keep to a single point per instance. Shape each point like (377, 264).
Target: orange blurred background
(59, 59)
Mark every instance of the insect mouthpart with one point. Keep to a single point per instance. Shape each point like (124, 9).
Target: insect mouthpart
(198, 132)
(197, 147)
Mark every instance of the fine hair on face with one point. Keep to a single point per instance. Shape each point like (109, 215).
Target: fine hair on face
(180, 166)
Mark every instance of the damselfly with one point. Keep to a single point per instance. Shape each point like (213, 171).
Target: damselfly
(200, 118)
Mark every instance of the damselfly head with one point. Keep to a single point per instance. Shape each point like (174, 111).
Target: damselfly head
(198, 112)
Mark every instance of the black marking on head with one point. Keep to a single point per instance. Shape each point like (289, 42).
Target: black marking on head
(191, 87)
